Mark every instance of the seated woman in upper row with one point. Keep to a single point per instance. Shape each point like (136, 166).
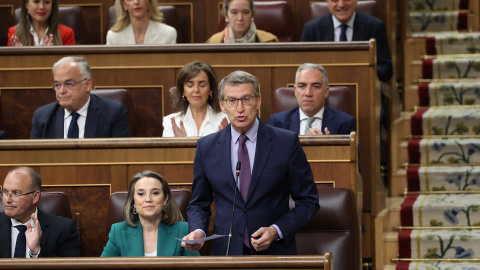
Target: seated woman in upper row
(195, 103)
(139, 22)
(240, 25)
(39, 26)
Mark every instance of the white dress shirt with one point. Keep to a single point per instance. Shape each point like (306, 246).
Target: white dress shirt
(317, 123)
(209, 125)
(15, 232)
(337, 29)
(82, 119)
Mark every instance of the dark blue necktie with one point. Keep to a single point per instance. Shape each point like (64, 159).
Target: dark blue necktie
(21, 245)
(343, 34)
(73, 128)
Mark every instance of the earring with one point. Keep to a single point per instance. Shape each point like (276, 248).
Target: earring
(226, 20)
(164, 210)
(184, 98)
(210, 96)
(134, 211)
(252, 19)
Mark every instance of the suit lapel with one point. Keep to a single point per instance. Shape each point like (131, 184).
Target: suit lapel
(166, 243)
(295, 121)
(225, 152)
(262, 151)
(59, 123)
(129, 37)
(150, 34)
(5, 236)
(329, 121)
(358, 28)
(133, 241)
(45, 225)
(93, 115)
(328, 32)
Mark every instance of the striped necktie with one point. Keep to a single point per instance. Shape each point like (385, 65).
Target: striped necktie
(309, 124)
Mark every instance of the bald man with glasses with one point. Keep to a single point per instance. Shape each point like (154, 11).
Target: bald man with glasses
(77, 113)
(26, 231)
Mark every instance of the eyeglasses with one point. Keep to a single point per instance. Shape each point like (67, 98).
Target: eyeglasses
(69, 85)
(15, 194)
(232, 102)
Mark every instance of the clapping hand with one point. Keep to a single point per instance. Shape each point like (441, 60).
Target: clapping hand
(34, 234)
(316, 131)
(179, 131)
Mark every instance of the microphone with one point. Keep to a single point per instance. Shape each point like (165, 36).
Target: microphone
(239, 165)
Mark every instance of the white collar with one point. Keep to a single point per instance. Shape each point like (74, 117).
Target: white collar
(337, 23)
(318, 115)
(35, 36)
(16, 222)
(82, 112)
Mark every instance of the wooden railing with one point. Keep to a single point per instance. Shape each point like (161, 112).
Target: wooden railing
(206, 262)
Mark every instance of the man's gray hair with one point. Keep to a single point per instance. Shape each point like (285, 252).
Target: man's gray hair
(81, 62)
(314, 67)
(236, 78)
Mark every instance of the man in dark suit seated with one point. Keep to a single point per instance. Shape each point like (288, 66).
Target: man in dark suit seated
(312, 117)
(27, 232)
(269, 174)
(77, 113)
(344, 24)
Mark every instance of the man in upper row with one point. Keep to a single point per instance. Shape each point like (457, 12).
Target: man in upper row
(344, 24)
(77, 113)
(312, 117)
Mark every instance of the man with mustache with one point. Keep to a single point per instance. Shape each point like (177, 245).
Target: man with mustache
(77, 113)
(312, 117)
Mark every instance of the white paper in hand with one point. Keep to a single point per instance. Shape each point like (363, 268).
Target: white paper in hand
(211, 237)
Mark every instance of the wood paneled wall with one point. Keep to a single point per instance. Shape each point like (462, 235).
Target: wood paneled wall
(89, 170)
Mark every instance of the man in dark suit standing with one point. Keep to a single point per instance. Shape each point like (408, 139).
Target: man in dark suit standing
(77, 113)
(27, 232)
(312, 117)
(273, 168)
(344, 24)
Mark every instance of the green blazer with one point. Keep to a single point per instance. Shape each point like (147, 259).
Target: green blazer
(127, 241)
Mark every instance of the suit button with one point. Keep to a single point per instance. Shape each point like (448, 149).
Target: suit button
(240, 234)
(245, 210)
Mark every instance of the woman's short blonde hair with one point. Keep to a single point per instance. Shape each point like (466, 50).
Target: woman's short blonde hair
(123, 19)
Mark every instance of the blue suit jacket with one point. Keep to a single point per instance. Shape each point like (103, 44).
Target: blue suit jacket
(365, 27)
(336, 121)
(105, 119)
(280, 169)
(59, 236)
(127, 241)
